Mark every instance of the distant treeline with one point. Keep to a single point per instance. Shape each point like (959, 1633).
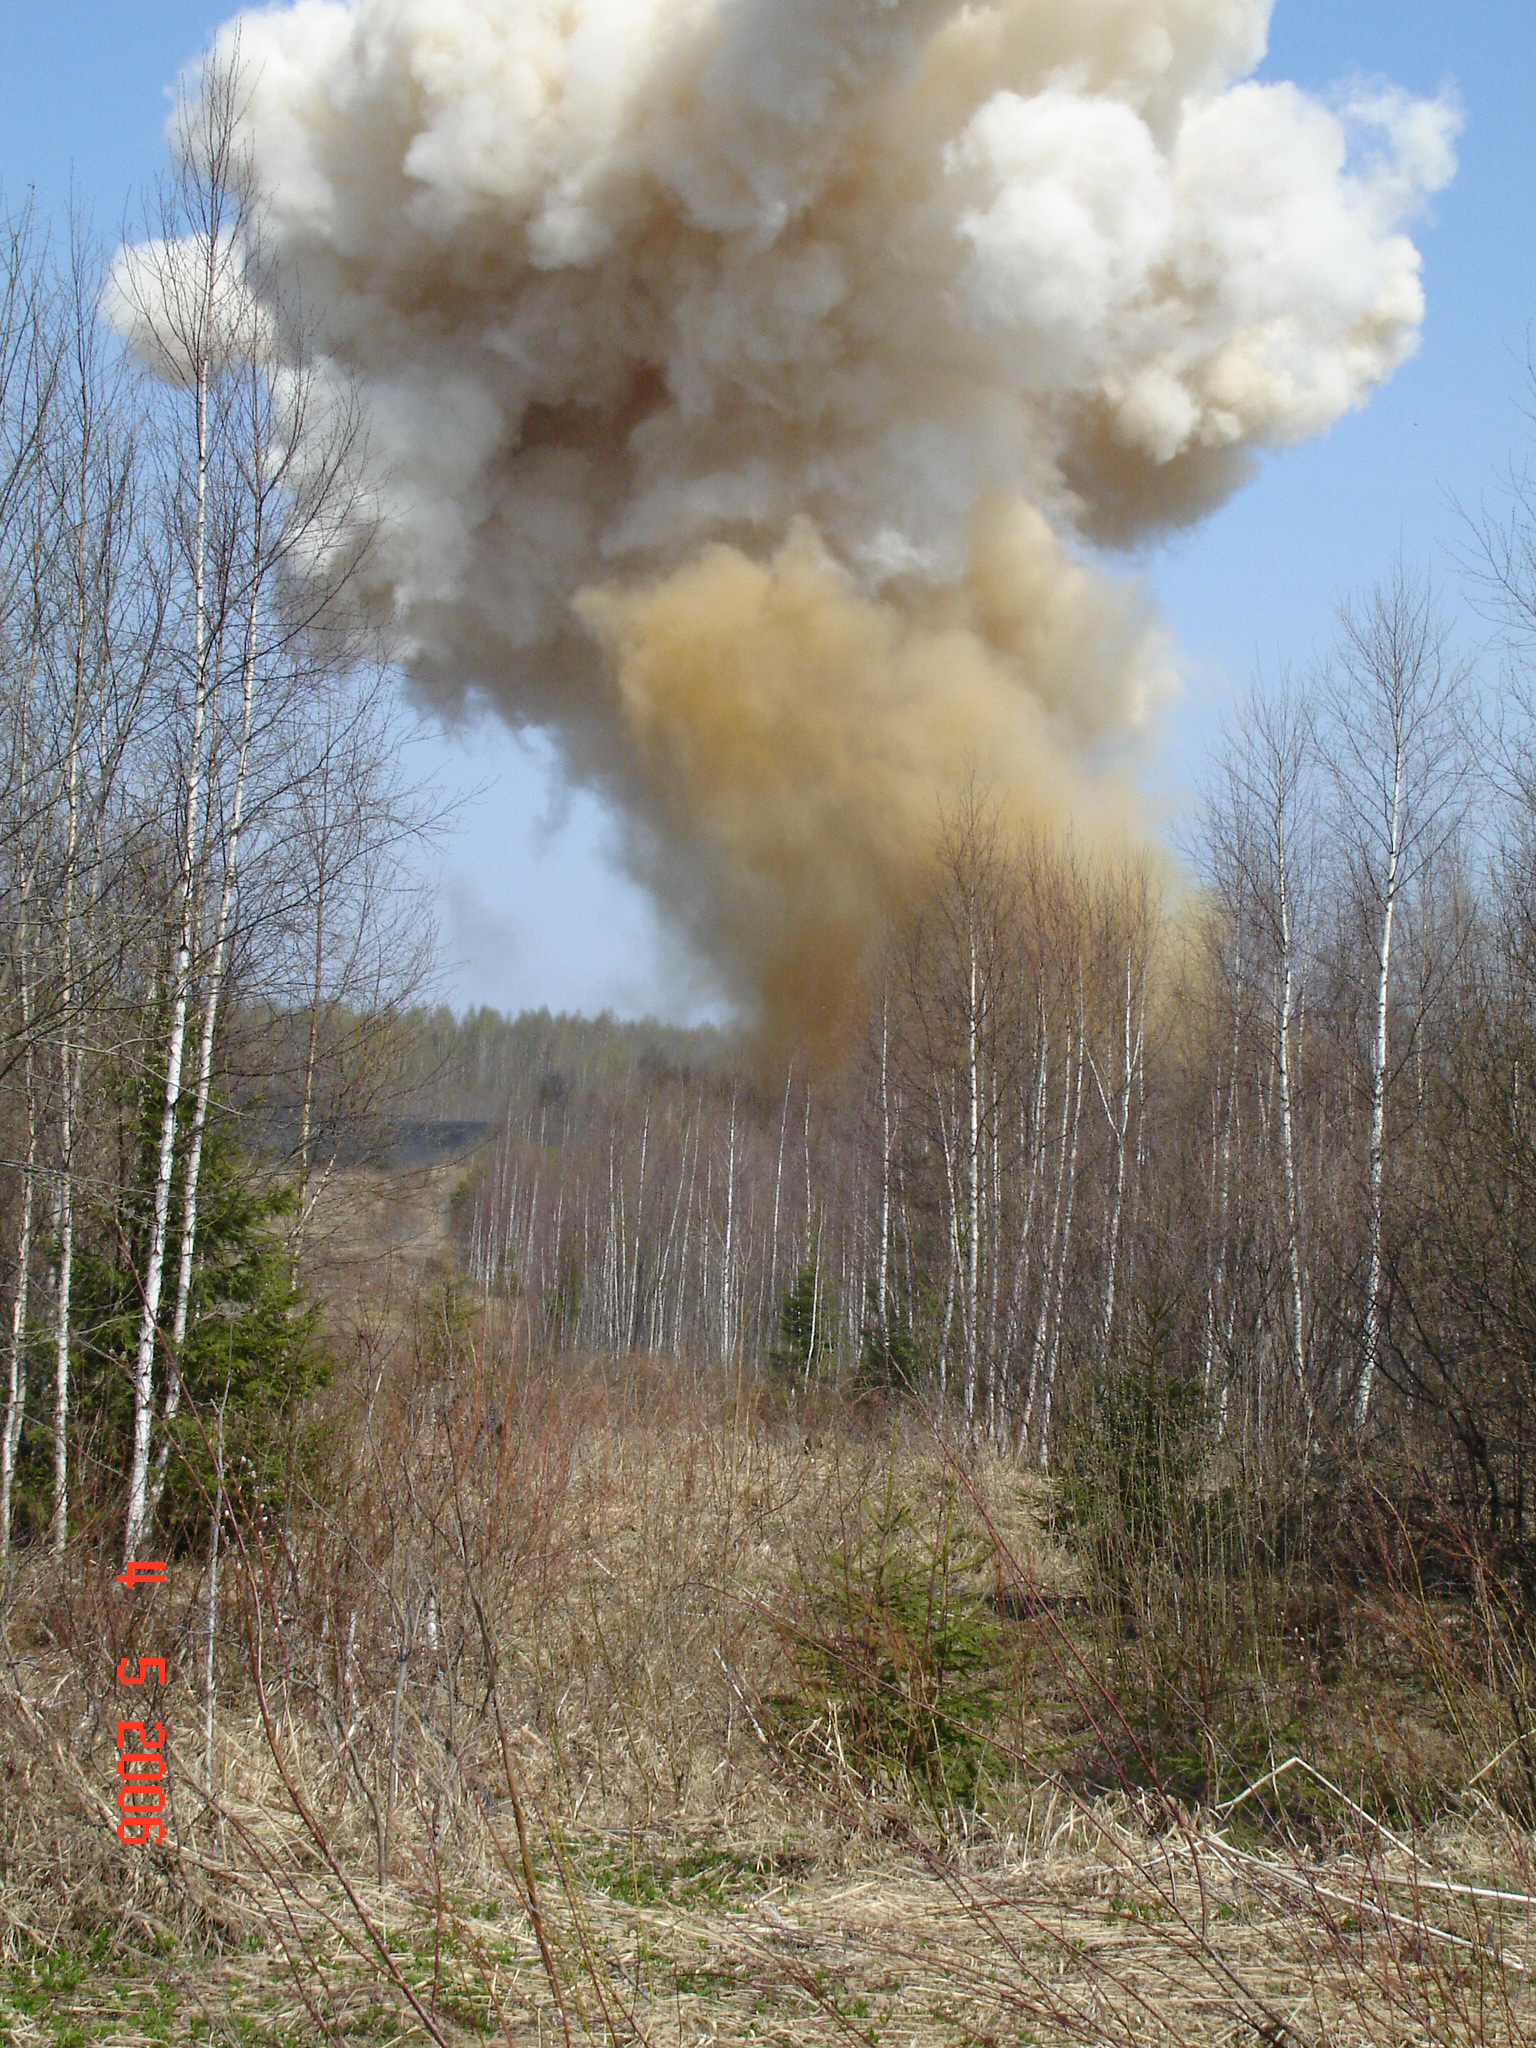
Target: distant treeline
(410, 1084)
(475, 1066)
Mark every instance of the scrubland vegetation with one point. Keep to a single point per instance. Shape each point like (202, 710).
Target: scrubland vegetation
(1015, 1526)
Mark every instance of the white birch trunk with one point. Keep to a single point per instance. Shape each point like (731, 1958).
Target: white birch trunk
(66, 1202)
(1049, 1390)
(16, 1398)
(1048, 1266)
(885, 1172)
(16, 1393)
(728, 1321)
(778, 1183)
(1297, 1331)
(1216, 1293)
(973, 1203)
(194, 1162)
(682, 1260)
(1372, 1338)
(154, 1272)
(1031, 1168)
(1119, 1119)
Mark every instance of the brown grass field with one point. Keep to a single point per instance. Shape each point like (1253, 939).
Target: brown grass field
(637, 1706)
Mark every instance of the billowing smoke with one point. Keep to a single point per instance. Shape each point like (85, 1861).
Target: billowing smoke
(752, 380)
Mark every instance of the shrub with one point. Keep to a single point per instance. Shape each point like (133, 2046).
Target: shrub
(807, 1319)
(253, 1336)
(900, 1661)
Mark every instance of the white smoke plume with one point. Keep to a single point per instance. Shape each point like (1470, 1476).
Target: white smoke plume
(750, 379)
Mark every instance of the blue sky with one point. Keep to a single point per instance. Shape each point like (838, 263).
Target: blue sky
(1260, 582)
(534, 909)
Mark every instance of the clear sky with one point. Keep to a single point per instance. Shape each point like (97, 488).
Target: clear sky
(534, 909)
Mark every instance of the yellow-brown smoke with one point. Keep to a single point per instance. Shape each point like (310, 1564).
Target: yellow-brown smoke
(795, 733)
(746, 377)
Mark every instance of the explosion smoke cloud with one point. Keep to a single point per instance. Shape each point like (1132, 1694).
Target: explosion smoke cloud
(746, 376)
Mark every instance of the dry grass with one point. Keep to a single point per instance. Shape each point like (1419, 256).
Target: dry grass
(583, 1612)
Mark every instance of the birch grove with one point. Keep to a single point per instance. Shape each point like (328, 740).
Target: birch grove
(161, 665)
(1106, 1120)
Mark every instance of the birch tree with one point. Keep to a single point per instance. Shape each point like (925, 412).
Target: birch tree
(1126, 945)
(16, 1392)
(181, 298)
(1394, 748)
(1262, 849)
(957, 976)
(267, 517)
(100, 648)
(31, 349)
